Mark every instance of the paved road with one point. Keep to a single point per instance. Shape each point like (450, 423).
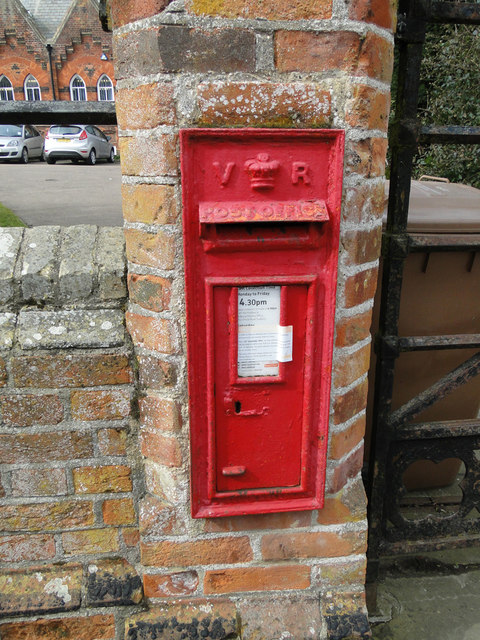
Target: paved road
(63, 193)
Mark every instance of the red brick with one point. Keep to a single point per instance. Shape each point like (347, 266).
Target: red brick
(28, 410)
(152, 156)
(321, 544)
(38, 447)
(160, 518)
(136, 53)
(343, 442)
(145, 107)
(161, 449)
(112, 404)
(215, 618)
(150, 292)
(26, 591)
(342, 574)
(91, 541)
(110, 478)
(368, 108)
(364, 201)
(149, 203)
(199, 552)
(348, 468)
(334, 512)
(309, 51)
(361, 287)
(30, 548)
(155, 334)
(101, 627)
(160, 413)
(265, 103)
(353, 329)
(155, 373)
(3, 373)
(62, 370)
(47, 516)
(268, 9)
(353, 497)
(378, 12)
(119, 511)
(170, 585)
(150, 249)
(257, 579)
(225, 50)
(131, 537)
(125, 11)
(281, 616)
(367, 157)
(376, 57)
(350, 403)
(352, 366)
(112, 442)
(38, 482)
(347, 51)
(362, 245)
(287, 520)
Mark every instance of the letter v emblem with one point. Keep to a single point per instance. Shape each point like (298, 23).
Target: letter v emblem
(224, 177)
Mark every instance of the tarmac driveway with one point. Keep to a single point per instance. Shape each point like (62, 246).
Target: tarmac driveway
(63, 193)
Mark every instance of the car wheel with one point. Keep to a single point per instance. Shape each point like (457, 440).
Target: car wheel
(111, 157)
(50, 160)
(24, 156)
(92, 157)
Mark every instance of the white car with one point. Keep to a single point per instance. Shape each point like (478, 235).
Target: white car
(77, 142)
(20, 142)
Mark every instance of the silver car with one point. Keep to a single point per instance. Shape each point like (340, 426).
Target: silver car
(20, 142)
(77, 142)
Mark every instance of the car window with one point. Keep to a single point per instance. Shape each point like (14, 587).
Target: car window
(90, 129)
(28, 132)
(10, 131)
(100, 134)
(64, 130)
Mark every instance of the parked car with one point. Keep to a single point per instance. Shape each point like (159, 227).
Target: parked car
(20, 142)
(77, 142)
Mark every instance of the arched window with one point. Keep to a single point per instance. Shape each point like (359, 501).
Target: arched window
(32, 89)
(78, 90)
(105, 89)
(6, 89)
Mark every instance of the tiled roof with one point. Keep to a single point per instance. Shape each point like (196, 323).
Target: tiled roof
(47, 14)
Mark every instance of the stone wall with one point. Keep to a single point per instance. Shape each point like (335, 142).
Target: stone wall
(69, 469)
(203, 63)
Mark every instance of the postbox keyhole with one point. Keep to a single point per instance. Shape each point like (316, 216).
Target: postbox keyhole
(238, 406)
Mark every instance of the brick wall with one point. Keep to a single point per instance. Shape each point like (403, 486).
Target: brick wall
(317, 63)
(69, 471)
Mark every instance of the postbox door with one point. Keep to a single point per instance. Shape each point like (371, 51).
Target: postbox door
(260, 419)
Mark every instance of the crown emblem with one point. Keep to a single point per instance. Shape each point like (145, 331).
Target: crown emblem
(261, 171)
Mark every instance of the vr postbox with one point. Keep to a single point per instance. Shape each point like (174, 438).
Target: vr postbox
(261, 233)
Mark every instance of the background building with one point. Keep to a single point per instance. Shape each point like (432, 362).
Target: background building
(54, 50)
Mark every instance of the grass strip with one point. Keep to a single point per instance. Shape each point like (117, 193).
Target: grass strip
(9, 219)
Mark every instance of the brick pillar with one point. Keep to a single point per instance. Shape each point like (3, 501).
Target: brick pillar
(231, 63)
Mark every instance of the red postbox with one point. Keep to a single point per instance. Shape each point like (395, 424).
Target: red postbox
(261, 233)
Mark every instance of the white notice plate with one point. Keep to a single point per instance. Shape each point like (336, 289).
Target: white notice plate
(262, 342)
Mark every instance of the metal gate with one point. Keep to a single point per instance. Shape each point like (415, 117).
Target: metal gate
(396, 440)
